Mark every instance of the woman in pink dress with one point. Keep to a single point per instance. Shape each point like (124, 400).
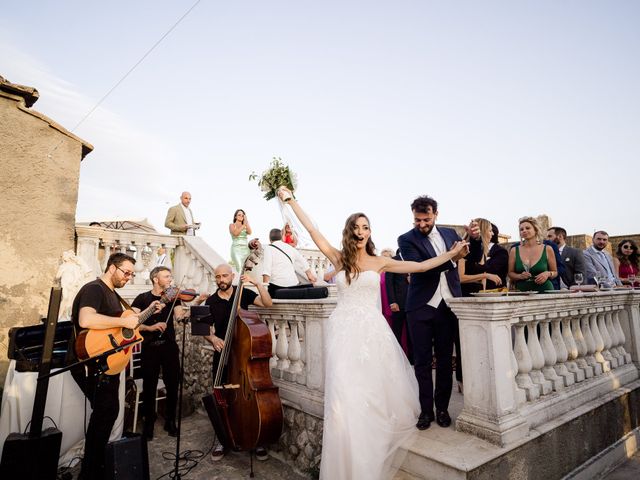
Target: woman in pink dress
(627, 263)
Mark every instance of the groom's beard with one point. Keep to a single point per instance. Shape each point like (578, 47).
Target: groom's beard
(426, 231)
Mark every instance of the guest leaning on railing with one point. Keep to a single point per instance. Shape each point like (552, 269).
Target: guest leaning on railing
(532, 265)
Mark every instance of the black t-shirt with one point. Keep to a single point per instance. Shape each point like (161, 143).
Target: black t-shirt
(98, 295)
(221, 309)
(145, 299)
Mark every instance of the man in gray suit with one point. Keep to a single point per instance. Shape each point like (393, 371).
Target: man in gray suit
(572, 257)
(598, 262)
(180, 217)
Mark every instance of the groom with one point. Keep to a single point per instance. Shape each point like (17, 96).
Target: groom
(430, 320)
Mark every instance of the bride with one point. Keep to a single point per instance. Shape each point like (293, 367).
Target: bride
(371, 394)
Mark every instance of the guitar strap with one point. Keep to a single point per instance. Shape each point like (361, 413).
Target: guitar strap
(123, 302)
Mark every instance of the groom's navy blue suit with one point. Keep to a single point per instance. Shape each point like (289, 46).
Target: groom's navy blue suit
(431, 327)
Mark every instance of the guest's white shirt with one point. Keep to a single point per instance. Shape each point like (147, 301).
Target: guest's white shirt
(279, 268)
(189, 218)
(443, 292)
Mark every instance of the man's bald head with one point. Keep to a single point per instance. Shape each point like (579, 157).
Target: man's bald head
(185, 198)
(223, 275)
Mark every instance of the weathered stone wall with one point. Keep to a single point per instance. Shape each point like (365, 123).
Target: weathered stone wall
(300, 444)
(40, 164)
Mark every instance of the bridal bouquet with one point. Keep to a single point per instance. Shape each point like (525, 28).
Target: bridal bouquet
(276, 176)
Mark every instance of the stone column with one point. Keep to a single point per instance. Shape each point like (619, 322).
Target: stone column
(490, 399)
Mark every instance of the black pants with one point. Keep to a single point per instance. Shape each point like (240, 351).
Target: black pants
(432, 330)
(157, 356)
(102, 393)
(398, 325)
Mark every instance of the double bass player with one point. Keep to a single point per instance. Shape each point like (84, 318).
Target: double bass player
(220, 305)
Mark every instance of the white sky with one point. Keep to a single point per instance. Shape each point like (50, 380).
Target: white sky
(496, 109)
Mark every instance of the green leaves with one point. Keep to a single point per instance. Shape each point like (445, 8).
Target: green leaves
(276, 176)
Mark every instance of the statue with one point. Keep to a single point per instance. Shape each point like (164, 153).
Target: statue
(72, 274)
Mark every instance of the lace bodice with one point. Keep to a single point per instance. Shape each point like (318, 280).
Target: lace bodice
(364, 289)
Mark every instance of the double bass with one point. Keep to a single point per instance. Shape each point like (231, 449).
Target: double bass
(246, 411)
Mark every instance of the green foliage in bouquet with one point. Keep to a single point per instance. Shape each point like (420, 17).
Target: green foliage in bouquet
(276, 176)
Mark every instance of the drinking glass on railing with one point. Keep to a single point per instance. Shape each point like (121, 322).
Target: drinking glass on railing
(632, 279)
(578, 278)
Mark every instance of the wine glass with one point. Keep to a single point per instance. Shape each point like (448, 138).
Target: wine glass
(578, 278)
(632, 279)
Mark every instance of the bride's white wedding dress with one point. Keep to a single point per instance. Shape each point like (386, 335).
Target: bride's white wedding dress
(371, 393)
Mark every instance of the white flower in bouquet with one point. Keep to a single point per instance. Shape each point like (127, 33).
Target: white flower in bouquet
(276, 176)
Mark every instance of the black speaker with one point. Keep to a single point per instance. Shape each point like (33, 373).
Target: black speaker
(127, 459)
(34, 458)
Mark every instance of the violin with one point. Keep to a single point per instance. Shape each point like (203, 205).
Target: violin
(187, 295)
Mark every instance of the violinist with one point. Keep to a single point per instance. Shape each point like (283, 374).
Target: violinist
(220, 304)
(159, 352)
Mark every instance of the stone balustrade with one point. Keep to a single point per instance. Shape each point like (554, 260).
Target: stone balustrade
(95, 244)
(191, 258)
(528, 360)
(317, 261)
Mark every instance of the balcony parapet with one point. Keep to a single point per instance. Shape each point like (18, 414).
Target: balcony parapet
(528, 360)
(297, 363)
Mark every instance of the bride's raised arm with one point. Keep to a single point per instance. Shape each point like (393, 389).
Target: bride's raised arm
(458, 250)
(325, 247)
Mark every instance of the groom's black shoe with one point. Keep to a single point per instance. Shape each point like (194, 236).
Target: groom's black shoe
(442, 418)
(424, 420)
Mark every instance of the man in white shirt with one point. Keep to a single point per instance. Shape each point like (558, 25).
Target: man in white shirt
(180, 217)
(280, 263)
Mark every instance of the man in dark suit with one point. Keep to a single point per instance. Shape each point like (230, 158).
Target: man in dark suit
(572, 258)
(431, 322)
(397, 285)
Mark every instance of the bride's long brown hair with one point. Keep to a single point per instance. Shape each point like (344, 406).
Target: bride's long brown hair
(349, 253)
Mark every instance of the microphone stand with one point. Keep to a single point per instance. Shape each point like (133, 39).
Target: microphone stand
(176, 472)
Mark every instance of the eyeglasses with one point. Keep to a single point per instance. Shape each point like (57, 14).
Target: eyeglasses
(629, 247)
(126, 273)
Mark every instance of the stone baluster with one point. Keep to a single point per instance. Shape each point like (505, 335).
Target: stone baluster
(138, 268)
(205, 283)
(606, 337)
(198, 275)
(550, 356)
(537, 358)
(569, 338)
(586, 370)
(282, 345)
(273, 361)
(523, 357)
(621, 337)
(597, 337)
(170, 254)
(190, 272)
(295, 349)
(562, 354)
(613, 335)
(107, 254)
(153, 257)
(88, 249)
(591, 342)
(520, 394)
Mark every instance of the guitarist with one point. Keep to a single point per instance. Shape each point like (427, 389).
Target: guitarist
(97, 306)
(159, 351)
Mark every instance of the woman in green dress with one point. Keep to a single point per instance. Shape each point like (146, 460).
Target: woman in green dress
(239, 231)
(533, 264)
